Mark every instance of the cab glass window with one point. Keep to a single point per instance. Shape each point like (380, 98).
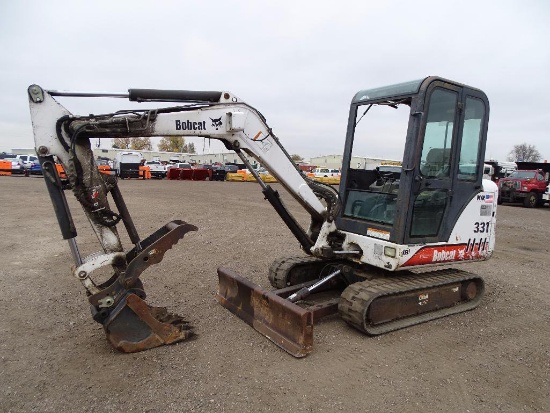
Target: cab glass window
(429, 207)
(380, 128)
(474, 113)
(436, 151)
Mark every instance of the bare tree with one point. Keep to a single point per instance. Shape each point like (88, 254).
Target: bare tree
(122, 143)
(524, 153)
(138, 144)
(172, 144)
(141, 144)
(296, 158)
(189, 147)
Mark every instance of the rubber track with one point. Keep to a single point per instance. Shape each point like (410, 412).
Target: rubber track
(356, 298)
(279, 271)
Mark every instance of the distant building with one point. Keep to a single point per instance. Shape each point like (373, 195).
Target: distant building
(23, 151)
(357, 162)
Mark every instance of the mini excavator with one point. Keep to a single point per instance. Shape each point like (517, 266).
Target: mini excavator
(380, 250)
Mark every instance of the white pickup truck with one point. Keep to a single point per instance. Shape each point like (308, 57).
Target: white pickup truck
(158, 170)
(546, 195)
(325, 172)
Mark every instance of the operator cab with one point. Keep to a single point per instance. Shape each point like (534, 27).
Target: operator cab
(438, 129)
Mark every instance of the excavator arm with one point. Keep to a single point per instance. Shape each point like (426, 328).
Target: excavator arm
(118, 303)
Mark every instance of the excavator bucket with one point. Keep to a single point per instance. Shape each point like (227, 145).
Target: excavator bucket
(135, 326)
(286, 324)
(132, 325)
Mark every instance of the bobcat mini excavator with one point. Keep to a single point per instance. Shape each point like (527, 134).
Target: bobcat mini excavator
(367, 245)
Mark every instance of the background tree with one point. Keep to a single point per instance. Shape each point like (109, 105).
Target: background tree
(524, 153)
(138, 144)
(296, 158)
(121, 143)
(141, 144)
(189, 148)
(172, 144)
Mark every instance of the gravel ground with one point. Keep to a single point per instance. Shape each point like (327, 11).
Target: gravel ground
(55, 358)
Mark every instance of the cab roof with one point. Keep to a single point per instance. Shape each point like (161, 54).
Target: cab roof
(398, 90)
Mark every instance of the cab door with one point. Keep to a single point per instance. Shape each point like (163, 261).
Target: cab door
(448, 160)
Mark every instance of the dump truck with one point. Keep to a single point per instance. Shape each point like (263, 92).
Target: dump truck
(523, 186)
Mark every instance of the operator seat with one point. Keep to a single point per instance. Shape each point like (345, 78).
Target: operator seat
(437, 163)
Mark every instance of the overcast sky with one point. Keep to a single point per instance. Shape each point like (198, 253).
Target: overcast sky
(298, 62)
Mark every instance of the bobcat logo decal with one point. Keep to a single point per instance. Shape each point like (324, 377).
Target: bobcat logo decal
(217, 123)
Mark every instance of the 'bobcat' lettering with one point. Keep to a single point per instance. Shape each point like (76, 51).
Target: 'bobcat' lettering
(443, 255)
(188, 125)
(216, 122)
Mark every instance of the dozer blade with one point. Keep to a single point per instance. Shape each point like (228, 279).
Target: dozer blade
(135, 326)
(284, 323)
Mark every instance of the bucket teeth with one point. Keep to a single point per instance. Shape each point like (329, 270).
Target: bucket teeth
(135, 326)
(162, 315)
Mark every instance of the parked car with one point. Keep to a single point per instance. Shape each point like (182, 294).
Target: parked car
(262, 171)
(218, 173)
(27, 160)
(5, 155)
(215, 172)
(17, 166)
(325, 172)
(158, 170)
(103, 162)
(35, 168)
(231, 168)
(180, 165)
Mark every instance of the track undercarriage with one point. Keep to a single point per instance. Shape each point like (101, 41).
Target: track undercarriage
(367, 298)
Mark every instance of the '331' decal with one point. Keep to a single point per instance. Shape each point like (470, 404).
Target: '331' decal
(481, 227)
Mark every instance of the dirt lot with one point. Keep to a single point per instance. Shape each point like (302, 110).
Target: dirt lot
(55, 358)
